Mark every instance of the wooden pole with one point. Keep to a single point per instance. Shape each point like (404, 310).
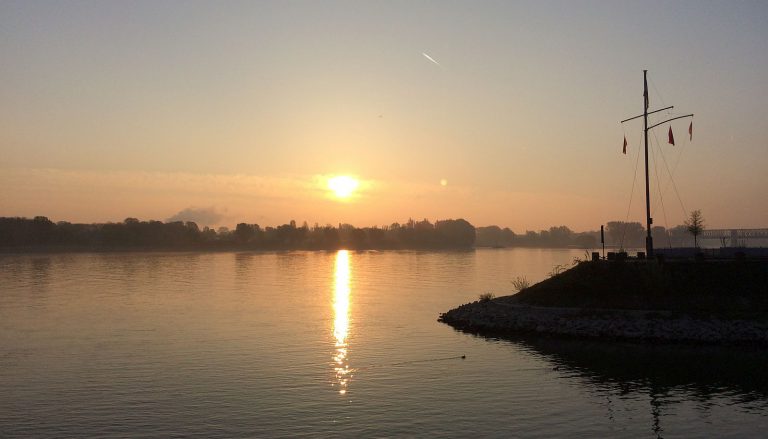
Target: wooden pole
(602, 239)
(648, 219)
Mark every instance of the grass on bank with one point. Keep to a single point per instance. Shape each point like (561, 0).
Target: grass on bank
(486, 297)
(731, 289)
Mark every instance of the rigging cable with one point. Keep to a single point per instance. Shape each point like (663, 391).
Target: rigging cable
(659, 95)
(677, 160)
(658, 187)
(672, 180)
(631, 194)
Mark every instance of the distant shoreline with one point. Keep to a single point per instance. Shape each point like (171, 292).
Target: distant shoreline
(126, 250)
(135, 235)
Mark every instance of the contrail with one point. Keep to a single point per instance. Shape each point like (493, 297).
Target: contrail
(431, 59)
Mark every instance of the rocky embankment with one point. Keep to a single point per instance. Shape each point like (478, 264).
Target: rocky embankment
(499, 317)
(675, 301)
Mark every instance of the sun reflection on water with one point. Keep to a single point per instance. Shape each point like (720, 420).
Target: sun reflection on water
(341, 294)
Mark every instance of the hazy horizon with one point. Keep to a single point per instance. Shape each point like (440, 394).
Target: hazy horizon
(501, 113)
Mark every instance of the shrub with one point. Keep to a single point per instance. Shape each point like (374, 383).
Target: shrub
(557, 269)
(486, 297)
(520, 283)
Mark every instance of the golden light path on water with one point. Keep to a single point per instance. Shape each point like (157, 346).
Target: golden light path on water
(341, 294)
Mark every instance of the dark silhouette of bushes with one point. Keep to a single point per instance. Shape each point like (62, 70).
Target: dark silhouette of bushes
(618, 234)
(133, 234)
(560, 236)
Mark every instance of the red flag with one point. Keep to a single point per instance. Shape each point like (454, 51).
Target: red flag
(690, 130)
(671, 137)
(625, 145)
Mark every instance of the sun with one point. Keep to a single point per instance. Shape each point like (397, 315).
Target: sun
(342, 186)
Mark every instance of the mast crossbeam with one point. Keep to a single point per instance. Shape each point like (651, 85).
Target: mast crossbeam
(650, 112)
(669, 120)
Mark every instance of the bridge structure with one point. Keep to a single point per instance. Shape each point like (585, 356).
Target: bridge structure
(734, 237)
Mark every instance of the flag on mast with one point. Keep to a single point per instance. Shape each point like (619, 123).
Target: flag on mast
(625, 145)
(671, 137)
(690, 130)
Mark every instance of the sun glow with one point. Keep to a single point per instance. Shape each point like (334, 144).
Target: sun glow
(343, 185)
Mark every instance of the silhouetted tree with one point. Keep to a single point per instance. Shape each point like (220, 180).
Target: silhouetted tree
(585, 240)
(560, 236)
(358, 239)
(695, 225)
(660, 236)
(376, 237)
(330, 237)
(625, 234)
(455, 233)
(244, 233)
(490, 236)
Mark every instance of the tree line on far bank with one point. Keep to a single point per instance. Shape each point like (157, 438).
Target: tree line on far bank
(618, 234)
(40, 232)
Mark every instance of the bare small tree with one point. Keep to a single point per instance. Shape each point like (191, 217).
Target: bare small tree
(695, 225)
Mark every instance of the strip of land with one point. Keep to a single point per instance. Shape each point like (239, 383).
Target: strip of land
(675, 301)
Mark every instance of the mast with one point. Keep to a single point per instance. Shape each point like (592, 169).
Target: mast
(648, 219)
(646, 128)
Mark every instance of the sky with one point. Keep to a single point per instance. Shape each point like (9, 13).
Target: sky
(501, 113)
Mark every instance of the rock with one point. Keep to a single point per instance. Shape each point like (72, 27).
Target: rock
(624, 324)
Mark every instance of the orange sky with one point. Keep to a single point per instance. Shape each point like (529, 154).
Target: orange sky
(236, 113)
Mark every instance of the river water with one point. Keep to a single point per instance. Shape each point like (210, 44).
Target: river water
(332, 344)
